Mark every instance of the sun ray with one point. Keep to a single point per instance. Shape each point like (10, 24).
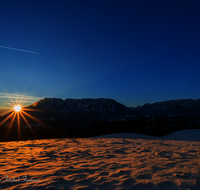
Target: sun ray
(7, 118)
(11, 123)
(28, 109)
(18, 126)
(9, 98)
(28, 125)
(5, 112)
(20, 102)
(49, 128)
(11, 104)
(17, 99)
(17, 117)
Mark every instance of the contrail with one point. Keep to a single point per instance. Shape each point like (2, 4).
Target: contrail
(19, 49)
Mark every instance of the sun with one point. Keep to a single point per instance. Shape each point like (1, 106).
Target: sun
(17, 116)
(17, 108)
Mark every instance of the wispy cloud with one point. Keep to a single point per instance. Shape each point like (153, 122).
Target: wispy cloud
(5, 47)
(19, 97)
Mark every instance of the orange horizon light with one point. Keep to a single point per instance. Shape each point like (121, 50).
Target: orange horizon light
(18, 112)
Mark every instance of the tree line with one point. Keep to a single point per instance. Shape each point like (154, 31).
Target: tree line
(153, 126)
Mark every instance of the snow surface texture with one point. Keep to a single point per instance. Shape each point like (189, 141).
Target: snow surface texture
(101, 163)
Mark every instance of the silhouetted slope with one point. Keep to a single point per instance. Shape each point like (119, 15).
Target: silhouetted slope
(100, 106)
(181, 107)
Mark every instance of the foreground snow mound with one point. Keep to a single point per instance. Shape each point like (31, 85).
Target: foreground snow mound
(101, 164)
(186, 135)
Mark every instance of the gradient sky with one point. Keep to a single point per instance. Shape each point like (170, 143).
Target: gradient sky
(134, 51)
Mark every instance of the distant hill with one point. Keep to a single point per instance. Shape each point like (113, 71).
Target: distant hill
(87, 107)
(105, 108)
(181, 107)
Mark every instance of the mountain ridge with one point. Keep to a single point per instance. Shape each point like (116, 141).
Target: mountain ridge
(85, 105)
(111, 106)
(171, 107)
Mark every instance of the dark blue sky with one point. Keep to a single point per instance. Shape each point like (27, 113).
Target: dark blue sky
(134, 51)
